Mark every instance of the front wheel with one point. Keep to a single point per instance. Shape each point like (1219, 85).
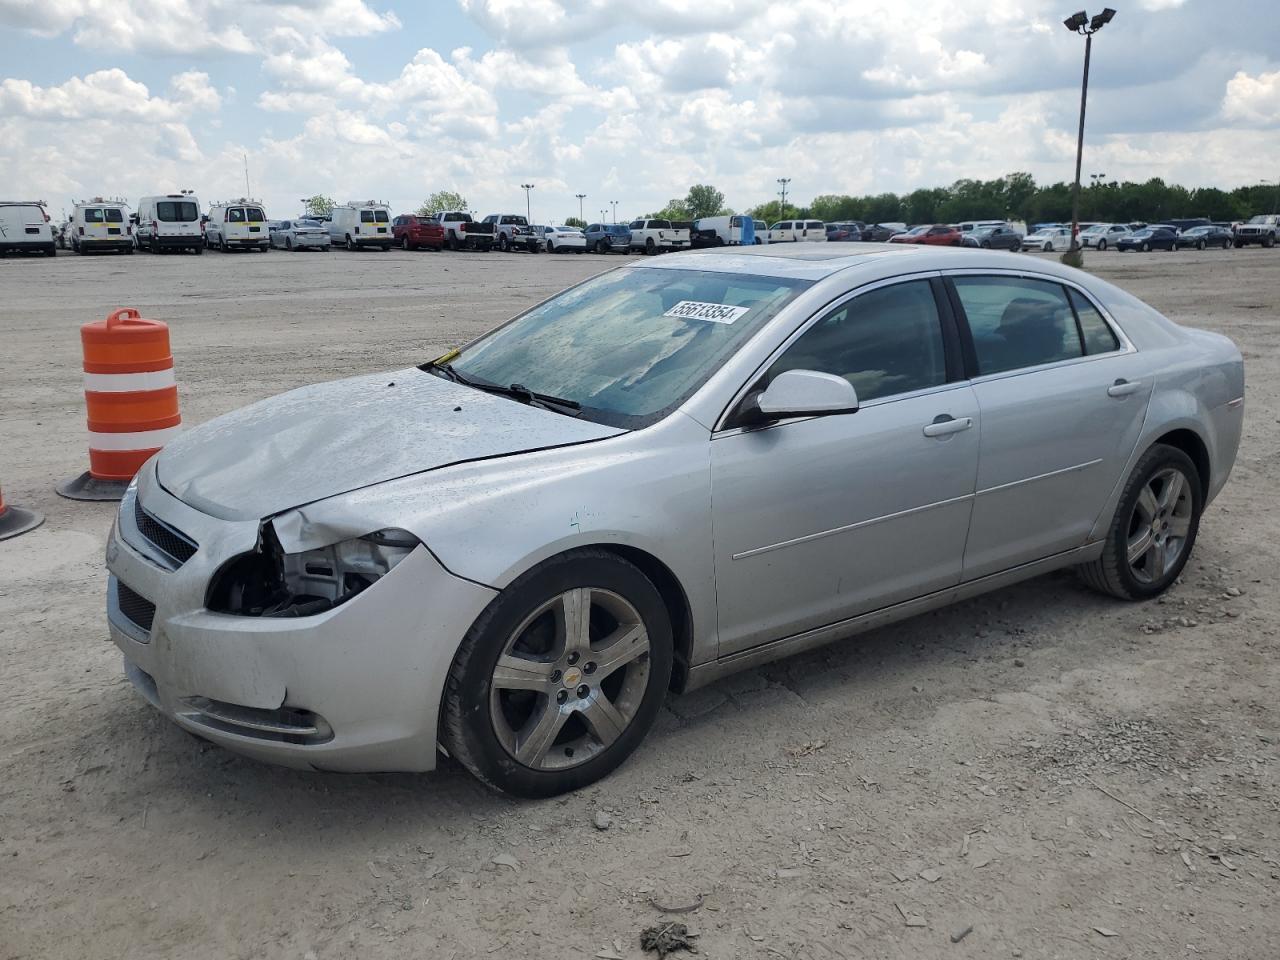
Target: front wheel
(1102, 245)
(561, 677)
(351, 244)
(1146, 248)
(1200, 245)
(1153, 529)
(650, 247)
(1048, 248)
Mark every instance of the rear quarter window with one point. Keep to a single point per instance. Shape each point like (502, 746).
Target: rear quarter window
(1098, 336)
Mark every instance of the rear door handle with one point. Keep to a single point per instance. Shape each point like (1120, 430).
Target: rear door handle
(945, 425)
(1123, 387)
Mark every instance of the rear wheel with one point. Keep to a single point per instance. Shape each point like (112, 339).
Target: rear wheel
(1153, 530)
(551, 247)
(561, 677)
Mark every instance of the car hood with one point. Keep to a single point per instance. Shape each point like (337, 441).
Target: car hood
(330, 438)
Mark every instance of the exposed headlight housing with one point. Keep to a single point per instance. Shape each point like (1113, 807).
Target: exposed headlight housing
(271, 583)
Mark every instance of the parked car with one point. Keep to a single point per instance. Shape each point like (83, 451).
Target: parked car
(992, 237)
(935, 235)
(361, 223)
(1263, 229)
(847, 232)
(966, 226)
(461, 232)
(414, 231)
(1205, 236)
(510, 229)
(653, 236)
(1048, 239)
(1149, 238)
(169, 222)
(669, 472)
(1185, 224)
(302, 234)
(99, 224)
(608, 238)
(794, 231)
(728, 231)
(881, 232)
(558, 239)
(681, 234)
(1103, 235)
(25, 228)
(237, 225)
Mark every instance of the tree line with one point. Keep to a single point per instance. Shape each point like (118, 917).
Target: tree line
(1015, 196)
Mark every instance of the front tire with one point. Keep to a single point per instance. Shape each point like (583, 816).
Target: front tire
(650, 248)
(561, 676)
(1102, 245)
(351, 244)
(1153, 530)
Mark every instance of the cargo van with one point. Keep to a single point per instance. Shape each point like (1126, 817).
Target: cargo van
(237, 225)
(361, 223)
(792, 231)
(169, 222)
(25, 228)
(99, 224)
(724, 231)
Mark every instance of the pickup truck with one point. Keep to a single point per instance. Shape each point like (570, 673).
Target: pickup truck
(463, 233)
(655, 236)
(1263, 229)
(512, 229)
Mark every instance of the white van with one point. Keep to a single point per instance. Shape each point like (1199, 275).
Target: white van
(171, 221)
(794, 231)
(99, 224)
(731, 231)
(237, 225)
(965, 226)
(25, 228)
(361, 223)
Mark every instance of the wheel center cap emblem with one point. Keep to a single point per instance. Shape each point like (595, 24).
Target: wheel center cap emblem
(572, 676)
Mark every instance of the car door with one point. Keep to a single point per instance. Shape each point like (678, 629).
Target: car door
(1062, 398)
(823, 518)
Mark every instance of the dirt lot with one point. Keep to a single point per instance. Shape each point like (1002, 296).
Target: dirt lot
(1066, 775)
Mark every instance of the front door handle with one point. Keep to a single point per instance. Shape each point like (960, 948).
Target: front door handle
(945, 425)
(1123, 387)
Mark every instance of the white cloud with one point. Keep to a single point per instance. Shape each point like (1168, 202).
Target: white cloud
(1253, 100)
(108, 95)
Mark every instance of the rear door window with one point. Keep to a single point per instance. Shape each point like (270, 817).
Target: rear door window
(381, 216)
(1098, 336)
(235, 215)
(1018, 322)
(176, 211)
(366, 216)
(884, 342)
(113, 215)
(93, 215)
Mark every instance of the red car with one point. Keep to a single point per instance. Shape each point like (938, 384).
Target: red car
(938, 235)
(412, 231)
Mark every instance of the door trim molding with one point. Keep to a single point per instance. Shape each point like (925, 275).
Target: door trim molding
(705, 673)
(810, 537)
(1040, 476)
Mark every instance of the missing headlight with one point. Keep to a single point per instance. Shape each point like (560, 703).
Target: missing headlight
(271, 583)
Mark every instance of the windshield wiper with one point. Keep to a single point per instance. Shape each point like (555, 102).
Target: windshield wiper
(517, 391)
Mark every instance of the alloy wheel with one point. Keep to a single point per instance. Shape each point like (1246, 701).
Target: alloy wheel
(1159, 525)
(570, 679)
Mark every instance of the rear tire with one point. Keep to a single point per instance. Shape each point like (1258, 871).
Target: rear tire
(492, 729)
(1141, 510)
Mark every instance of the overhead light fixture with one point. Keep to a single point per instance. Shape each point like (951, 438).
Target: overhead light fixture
(1076, 20)
(1101, 20)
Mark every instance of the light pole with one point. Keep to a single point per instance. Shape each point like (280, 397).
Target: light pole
(528, 204)
(782, 205)
(1082, 24)
(614, 203)
(581, 197)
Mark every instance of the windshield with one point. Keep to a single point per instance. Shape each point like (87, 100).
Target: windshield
(916, 231)
(630, 345)
(1260, 218)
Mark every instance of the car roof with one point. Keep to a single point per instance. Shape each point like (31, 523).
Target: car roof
(807, 263)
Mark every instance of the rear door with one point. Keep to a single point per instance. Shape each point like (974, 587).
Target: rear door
(822, 518)
(1062, 397)
(177, 218)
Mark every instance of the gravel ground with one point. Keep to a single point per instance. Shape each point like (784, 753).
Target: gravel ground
(1060, 774)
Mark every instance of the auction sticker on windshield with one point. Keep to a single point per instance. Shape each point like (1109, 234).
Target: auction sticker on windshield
(715, 312)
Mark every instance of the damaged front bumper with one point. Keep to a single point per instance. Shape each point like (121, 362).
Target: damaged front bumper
(354, 688)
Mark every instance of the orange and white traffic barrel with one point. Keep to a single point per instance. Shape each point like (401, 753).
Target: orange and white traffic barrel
(15, 520)
(132, 401)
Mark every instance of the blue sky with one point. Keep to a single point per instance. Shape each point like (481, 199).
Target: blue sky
(618, 100)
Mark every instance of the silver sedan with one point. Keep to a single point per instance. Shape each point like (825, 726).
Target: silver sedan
(299, 235)
(667, 473)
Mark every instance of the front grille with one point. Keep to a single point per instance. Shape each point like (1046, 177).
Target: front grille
(163, 537)
(137, 609)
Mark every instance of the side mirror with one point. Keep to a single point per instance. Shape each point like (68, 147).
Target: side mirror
(799, 393)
